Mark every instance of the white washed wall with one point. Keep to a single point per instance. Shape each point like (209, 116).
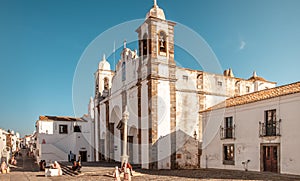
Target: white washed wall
(45, 127)
(72, 141)
(163, 124)
(2, 141)
(133, 120)
(247, 142)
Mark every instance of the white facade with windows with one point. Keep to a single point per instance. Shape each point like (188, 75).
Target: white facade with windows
(57, 136)
(257, 132)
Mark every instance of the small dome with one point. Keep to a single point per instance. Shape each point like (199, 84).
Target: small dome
(156, 12)
(104, 65)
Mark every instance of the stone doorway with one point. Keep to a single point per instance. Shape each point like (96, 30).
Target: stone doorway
(270, 157)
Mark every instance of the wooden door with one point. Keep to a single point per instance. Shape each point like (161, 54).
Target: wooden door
(83, 155)
(270, 158)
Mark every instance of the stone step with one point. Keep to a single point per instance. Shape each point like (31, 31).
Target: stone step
(67, 170)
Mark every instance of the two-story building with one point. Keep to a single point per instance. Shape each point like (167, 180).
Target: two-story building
(58, 136)
(257, 131)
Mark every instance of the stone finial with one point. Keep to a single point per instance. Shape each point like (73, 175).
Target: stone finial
(125, 42)
(254, 74)
(155, 3)
(104, 58)
(230, 73)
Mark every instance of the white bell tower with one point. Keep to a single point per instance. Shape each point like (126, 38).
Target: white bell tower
(103, 78)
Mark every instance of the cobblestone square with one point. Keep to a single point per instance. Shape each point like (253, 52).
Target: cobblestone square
(27, 169)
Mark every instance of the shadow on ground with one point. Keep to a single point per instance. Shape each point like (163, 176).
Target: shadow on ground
(221, 174)
(203, 173)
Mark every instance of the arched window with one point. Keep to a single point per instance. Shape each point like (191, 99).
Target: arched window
(145, 46)
(106, 83)
(123, 71)
(162, 39)
(77, 129)
(96, 89)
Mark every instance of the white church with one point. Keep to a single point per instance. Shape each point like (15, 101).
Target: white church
(164, 101)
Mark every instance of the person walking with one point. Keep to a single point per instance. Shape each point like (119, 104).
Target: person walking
(127, 169)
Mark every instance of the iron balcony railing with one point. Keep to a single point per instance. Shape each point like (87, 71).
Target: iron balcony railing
(269, 128)
(227, 133)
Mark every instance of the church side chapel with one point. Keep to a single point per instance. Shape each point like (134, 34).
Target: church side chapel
(163, 100)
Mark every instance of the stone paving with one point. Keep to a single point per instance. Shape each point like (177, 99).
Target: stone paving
(27, 169)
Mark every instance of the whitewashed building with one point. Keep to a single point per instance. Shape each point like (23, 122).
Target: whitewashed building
(163, 100)
(3, 146)
(257, 132)
(9, 143)
(57, 136)
(26, 140)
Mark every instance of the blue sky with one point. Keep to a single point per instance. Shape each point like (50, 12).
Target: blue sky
(41, 43)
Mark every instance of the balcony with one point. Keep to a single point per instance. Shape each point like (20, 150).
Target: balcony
(269, 129)
(227, 133)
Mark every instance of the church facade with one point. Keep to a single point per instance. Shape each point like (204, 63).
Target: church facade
(164, 101)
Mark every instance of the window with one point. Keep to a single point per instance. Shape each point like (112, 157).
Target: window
(270, 122)
(96, 89)
(185, 77)
(228, 127)
(77, 129)
(123, 71)
(228, 154)
(270, 126)
(220, 83)
(188, 156)
(247, 89)
(178, 156)
(63, 129)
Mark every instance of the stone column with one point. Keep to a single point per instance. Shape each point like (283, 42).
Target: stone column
(124, 157)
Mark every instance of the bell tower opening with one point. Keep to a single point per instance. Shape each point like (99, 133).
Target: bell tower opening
(145, 45)
(162, 39)
(156, 37)
(106, 83)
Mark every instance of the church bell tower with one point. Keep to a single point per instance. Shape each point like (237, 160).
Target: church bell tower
(158, 68)
(156, 37)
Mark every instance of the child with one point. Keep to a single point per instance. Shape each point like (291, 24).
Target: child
(4, 167)
(116, 174)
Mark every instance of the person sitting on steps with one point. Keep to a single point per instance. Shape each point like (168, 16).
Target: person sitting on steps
(56, 166)
(77, 164)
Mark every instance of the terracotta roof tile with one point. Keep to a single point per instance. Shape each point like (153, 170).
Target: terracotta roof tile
(60, 118)
(258, 96)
